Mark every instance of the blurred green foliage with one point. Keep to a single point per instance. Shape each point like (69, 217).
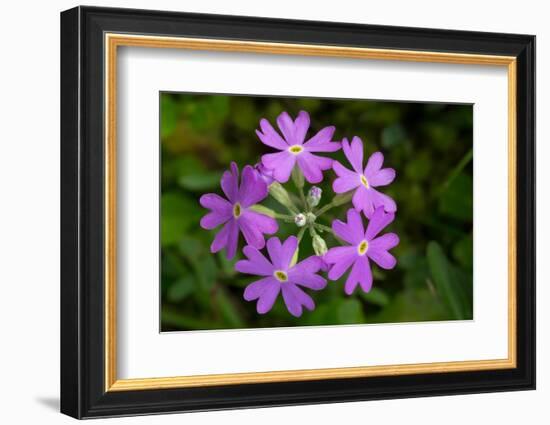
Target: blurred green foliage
(430, 147)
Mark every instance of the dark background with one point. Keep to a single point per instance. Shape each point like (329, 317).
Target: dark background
(430, 147)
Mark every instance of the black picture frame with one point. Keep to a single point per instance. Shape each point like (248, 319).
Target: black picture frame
(83, 392)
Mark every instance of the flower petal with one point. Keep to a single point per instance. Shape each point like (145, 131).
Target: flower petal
(268, 296)
(264, 223)
(312, 166)
(255, 290)
(269, 136)
(352, 231)
(256, 263)
(251, 232)
(380, 199)
(342, 257)
(287, 252)
(360, 273)
(384, 242)
(303, 273)
(214, 219)
(275, 249)
(363, 200)
(232, 239)
(354, 153)
(281, 163)
(265, 290)
(377, 222)
(286, 125)
(253, 189)
(322, 141)
(215, 202)
(221, 210)
(374, 164)
(230, 183)
(382, 178)
(381, 257)
(346, 180)
(295, 298)
(227, 237)
(301, 125)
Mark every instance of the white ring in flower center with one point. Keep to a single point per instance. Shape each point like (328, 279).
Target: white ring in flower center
(296, 149)
(364, 181)
(362, 248)
(280, 275)
(237, 211)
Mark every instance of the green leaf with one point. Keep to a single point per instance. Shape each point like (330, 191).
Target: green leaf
(393, 135)
(228, 310)
(445, 281)
(168, 114)
(463, 251)
(172, 318)
(200, 181)
(350, 311)
(181, 289)
(412, 306)
(175, 217)
(457, 200)
(376, 296)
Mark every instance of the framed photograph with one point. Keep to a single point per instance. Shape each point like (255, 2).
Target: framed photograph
(261, 212)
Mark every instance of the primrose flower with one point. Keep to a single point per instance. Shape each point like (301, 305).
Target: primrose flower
(362, 246)
(280, 276)
(366, 198)
(294, 150)
(234, 211)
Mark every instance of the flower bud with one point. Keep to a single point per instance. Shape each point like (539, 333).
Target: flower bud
(294, 258)
(263, 210)
(300, 220)
(280, 194)
(314, 196)
(319, 245)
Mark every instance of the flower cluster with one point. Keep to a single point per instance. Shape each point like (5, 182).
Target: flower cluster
(298, 159)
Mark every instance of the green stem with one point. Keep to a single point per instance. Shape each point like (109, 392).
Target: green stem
(298, 179)
(336, 202)
(301, 234)
(285, 217)
(455, 172)
(323, 228)
(303, 199)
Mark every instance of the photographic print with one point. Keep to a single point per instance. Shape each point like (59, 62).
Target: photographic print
(288, 211)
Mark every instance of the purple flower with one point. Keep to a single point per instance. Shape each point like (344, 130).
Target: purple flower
(265, 173)
(234, 212)
(293, 149)
(362, 246)
(366, 197)
(280, 276)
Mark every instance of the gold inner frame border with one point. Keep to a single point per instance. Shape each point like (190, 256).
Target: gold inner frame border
(112, 41)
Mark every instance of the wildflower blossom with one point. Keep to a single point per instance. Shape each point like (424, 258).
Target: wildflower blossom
(280, 276)
(293, 149)
(234, 212)
(363, 245)
(366, 198)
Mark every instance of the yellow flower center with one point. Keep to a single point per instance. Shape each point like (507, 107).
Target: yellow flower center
(363, 247)
(364, 181)
(237, 210)
(296, 149)
(280, 275)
